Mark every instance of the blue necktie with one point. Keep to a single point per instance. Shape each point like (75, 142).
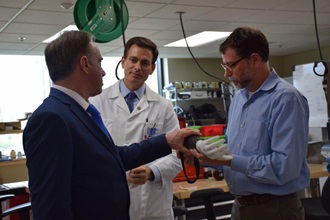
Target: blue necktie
(98, 120)
(130, 97)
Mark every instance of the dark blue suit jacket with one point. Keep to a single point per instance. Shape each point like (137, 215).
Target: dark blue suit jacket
(75, 172)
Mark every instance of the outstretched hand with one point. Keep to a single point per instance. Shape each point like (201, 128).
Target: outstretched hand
(175, 139)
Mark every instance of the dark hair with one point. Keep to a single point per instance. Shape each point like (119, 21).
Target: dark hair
(144, 43)
(245, 41)
(63, 53)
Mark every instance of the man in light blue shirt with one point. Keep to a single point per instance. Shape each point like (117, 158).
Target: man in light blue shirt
(267, 133)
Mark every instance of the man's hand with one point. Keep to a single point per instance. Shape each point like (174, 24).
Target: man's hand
(225, 160)
(188, 159)
(140, 175)
(175, 139)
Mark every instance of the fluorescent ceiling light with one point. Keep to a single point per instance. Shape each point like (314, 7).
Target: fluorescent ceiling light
(68, 28)
(202, 38)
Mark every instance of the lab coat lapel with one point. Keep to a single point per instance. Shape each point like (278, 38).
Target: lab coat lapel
(121, 103)
(114, 93)
(144, 103)
(141, 106)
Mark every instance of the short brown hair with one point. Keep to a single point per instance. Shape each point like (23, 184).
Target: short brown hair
(63, 53)
(245, 41)
(144, 43)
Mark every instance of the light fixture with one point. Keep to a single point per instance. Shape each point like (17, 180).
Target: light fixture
(66, 5)
(21, 39)
(68, 28)
(199, 39)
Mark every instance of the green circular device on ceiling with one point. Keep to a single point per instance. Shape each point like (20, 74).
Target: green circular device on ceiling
(102, 18)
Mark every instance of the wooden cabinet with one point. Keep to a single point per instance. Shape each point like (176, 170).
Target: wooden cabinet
(12, 170)
(10, 127)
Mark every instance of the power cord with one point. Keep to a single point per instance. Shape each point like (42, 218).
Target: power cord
(319, 49)
(123, 34)
(185, 38)
(325, 83)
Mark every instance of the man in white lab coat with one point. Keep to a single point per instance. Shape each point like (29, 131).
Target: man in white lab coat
(151, 184)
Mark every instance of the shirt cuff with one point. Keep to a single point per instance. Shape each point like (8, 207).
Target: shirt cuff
(240, 164)
(156, 174)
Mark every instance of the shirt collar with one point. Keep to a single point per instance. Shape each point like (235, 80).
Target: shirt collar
(271, 81)
(139, 92)
(267, 85)
(73, 95)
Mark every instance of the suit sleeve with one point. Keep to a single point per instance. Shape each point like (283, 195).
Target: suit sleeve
(48, 148)
(144, 152)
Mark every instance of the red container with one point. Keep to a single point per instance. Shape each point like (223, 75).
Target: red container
(191, 173)
(212, 130)
(182, 122)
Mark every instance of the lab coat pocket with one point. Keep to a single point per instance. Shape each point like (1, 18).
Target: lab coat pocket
(152, 129)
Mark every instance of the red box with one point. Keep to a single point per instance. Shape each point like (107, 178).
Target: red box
(212, 130)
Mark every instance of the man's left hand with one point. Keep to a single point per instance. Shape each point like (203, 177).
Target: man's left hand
(140, 175)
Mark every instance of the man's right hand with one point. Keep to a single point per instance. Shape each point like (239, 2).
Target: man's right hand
(175, 139)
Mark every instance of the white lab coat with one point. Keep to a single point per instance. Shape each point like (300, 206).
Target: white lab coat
(151, 200)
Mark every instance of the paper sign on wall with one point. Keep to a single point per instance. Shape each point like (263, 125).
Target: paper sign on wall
(311, 85)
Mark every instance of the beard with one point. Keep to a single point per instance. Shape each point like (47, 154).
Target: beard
(238, 84)
(235, 83)
(241, 83)
(236, 87)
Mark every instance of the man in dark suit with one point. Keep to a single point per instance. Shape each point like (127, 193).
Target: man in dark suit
(75, 170)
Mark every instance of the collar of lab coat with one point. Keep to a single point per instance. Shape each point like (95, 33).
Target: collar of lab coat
(114, 92)
(139, 92)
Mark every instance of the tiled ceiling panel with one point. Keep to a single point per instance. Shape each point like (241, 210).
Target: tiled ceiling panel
(288, 24)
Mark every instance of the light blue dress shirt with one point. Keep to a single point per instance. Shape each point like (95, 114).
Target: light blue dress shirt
(139, 92)
(268, 137)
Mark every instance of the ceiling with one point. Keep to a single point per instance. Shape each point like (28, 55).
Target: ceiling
(288, 24)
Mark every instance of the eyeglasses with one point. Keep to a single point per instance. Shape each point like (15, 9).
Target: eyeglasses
(229, 67)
